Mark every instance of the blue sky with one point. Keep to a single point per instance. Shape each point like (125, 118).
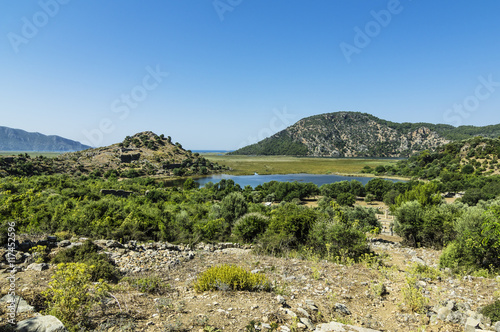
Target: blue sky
(225, 73)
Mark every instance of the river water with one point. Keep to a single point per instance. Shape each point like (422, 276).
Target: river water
(256, 179)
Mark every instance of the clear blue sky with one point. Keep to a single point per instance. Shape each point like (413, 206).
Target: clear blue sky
(221, 74)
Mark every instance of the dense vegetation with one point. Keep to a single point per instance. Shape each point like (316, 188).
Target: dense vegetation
(218, 212)
(468, 229)
(355, 134)
(281, 144)
(469, 165)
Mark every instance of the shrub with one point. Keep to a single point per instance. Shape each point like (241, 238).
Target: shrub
(251, 225)
(39, 253)
(150, 284)
(409, 221)
(413, 296)
(71, 293)
(231, 277)
(291, 220)
(233, 206)
(346, 199)
(365, 218)
(210, 229)
(336, 240)
(275, 243)
(88, 253)
(63, 235)
(492, 311)
(470, 250)
(423, 271)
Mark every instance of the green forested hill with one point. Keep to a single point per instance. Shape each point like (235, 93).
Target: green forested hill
(354, 134)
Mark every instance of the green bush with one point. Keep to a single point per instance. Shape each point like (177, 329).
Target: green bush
(150, 284)
(364, 218)
(233, 206)
(413, 296)
(408, 223)
(250, 226)
(275, 243)
(346, 199)
(88, 254)
(492, 311)
(470, 251)
(291, 220)
(231, 277)
(426, 226)
(333, 239)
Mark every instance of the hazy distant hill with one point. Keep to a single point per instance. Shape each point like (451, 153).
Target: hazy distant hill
(20, 140)
(354, 134)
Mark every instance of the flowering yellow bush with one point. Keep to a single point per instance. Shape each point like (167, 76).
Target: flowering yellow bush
(39, 253)
(72, 294)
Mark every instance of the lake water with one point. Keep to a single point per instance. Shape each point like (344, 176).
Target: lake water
(255, 180)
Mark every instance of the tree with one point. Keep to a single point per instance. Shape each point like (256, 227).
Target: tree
(426, 194)
(233, 206)
(378, 187)
(390, 197)
(409, 221)
(346, 199)
(467, 169)
(189, 184)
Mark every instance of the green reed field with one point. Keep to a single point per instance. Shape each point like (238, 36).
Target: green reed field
(247, 165)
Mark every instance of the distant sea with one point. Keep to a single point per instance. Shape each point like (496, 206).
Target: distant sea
(212, 151)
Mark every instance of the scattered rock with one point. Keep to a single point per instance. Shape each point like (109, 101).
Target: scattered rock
(38, 266)
(22, 305)
(303, 313)
(455, 317)
(342, 309)
(418, 260)
(339, 327)
(289, 312)
(41, 324)
(307, 322)
(443, 312)
(64, 243)
(471, 324)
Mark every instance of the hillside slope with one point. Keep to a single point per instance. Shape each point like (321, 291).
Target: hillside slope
(20, 140)
(144, 153)
(354, 134)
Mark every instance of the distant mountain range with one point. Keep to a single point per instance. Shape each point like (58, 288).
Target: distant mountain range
(354, 134)
(21, 140)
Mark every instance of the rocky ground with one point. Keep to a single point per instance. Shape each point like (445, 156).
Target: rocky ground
(305, 295)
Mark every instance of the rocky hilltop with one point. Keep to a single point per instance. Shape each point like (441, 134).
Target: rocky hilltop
(20, 140)
(144, 153)
(353, 134)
